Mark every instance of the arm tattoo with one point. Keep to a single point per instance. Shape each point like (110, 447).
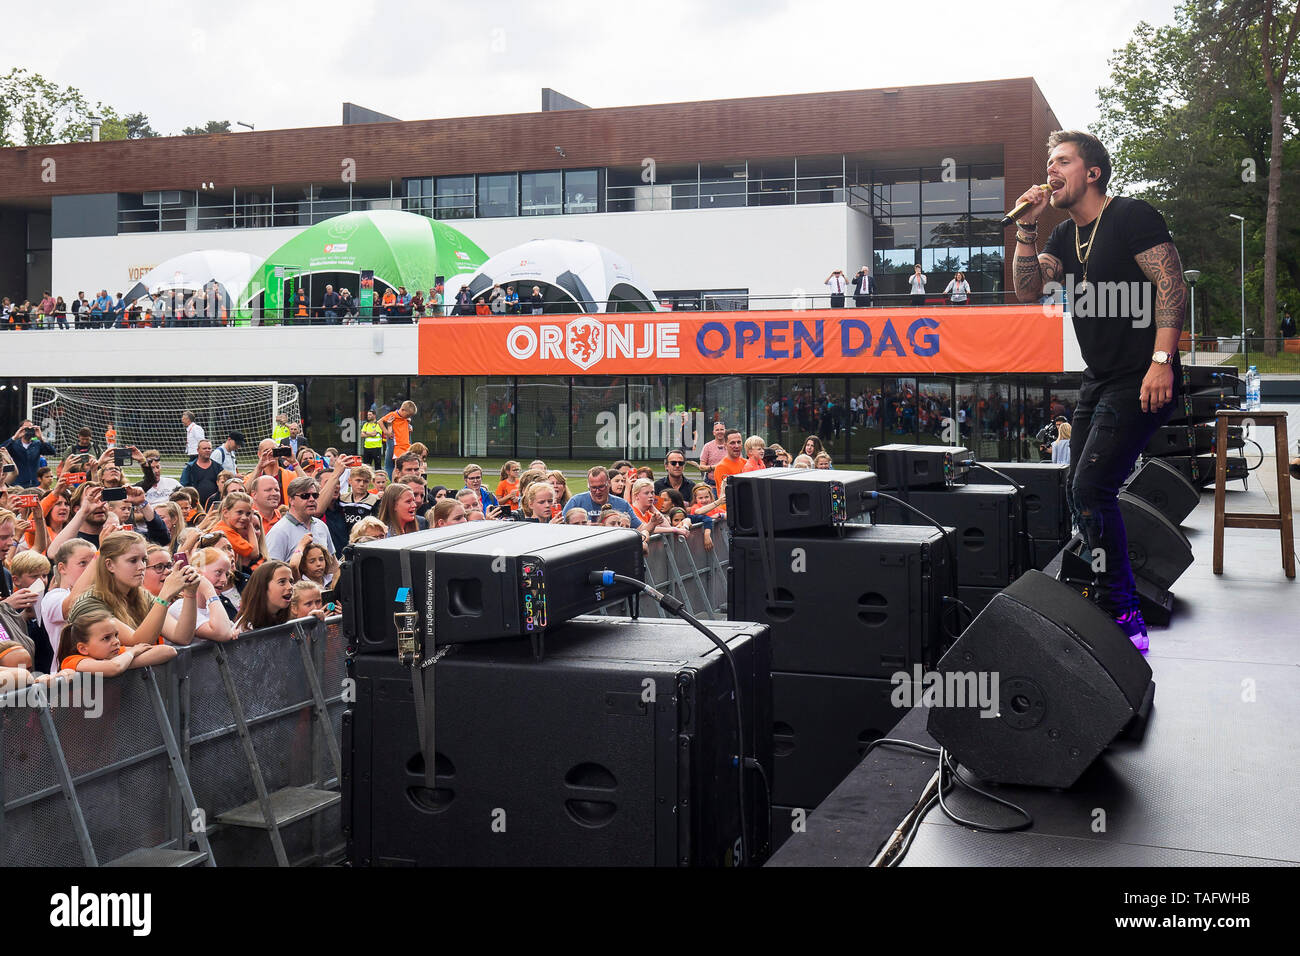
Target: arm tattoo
(1031, 273)
(1163, 267)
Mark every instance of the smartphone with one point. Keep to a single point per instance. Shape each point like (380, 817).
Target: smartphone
(74, 477)
(27, 501)
(121, 456)
(181, 560)
(114, 494)
(327, 596)
(9, 467)
(37, 586)
(282, 451)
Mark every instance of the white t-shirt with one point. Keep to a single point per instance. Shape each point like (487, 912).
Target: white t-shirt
(193, 435)
(51, 610)
(161, 492)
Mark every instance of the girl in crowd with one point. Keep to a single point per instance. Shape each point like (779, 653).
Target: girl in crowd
(445, 512)
(91, 643)
(508, 488)
(157, 565)
(266, 598)
(214, 618)
(643, 503)
(381, 482)
(703, 502)
(170, 512)
(438, 492)
(539, 503)
(527, 479)
(812, 447)
(802, 462)
(114, 582)
(367, 529)
(577, 516)
(313, 562)
(70, 562)
(57, 508)
(561, 488)
(397, 509)
(243, 534)
(305, 601)
(822, 462)
(188, 499)
(617, 484)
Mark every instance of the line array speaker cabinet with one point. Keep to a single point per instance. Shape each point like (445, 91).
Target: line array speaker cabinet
(1164, 487)
(823, 725)
(483, 580)
(1200, 377)
(1189, 440)
(917, 466)
(1203, 405)
(1047, 509)
(987, 524)
(794, 499)
(1068, 683)
(1199, 470)
(866, 604)
(567, 760)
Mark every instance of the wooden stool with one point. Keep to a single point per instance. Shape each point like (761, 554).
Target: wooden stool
(1282, 521)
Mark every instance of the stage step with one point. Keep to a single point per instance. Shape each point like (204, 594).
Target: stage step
(155, 857)
(287, 806)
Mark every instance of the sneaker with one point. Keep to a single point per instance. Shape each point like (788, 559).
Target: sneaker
(1134, 628)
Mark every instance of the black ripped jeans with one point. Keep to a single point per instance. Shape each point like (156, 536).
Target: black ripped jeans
(1108, 433)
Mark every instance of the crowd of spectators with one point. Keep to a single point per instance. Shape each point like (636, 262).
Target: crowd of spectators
(103, 571)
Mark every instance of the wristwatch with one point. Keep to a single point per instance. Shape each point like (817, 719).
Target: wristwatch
(1161, 358)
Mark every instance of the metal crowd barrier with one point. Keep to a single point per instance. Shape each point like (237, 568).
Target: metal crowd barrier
(228, 754)
(683, 568)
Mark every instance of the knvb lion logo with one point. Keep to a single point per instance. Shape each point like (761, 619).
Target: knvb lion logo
(342, 228)
(584, 342)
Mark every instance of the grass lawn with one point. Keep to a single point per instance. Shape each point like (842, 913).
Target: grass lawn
(1288, 362)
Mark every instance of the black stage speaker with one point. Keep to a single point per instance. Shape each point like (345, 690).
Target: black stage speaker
(1047, 510)
(1189, 440)
(1202, 405)
(1068, 682)
(1157, 548)
(977, 599)
(1072, 566)
(917, 466)
(865, 604)
(563, 761)
(1199, 470)
(1165, 487)
(1043, 551)
(1200, 377)
(989, 544)
(483, 580)
(797, 499)
(822, 726)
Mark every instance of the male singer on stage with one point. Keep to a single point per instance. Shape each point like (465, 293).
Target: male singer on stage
(1111, 253)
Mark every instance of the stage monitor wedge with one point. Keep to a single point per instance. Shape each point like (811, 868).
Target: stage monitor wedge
(1068, 681)
(797, 499)
(1165, 487)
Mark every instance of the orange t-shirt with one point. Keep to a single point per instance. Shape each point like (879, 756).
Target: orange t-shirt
(726, 468)
(70, 662)
(507, 489)
(401, 433)
(645, 516)
(751, 465)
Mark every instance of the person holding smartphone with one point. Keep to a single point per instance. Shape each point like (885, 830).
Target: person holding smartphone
(26, 448)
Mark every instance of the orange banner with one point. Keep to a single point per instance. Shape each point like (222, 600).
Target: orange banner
(911, 341)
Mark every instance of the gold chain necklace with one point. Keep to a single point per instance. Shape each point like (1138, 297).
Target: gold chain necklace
(1079, 252)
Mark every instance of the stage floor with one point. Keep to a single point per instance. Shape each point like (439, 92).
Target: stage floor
(1215, 782)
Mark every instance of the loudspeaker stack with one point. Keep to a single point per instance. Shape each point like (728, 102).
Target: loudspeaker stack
(849, 606)
(1187, 443)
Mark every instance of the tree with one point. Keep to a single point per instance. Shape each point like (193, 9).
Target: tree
(34, 111)
(137, 126)
(212, 126)
(1188, 121)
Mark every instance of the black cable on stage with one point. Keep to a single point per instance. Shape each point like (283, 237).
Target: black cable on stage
(952, 558)
(1262, 456)
(670, 603)
(945, 760)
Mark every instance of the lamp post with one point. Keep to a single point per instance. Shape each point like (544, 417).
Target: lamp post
(1191, 275)
(1242, 220)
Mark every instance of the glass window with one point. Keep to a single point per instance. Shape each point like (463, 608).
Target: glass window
(418, 196)
(820, 179)
(488, 426)
(935, 424)
(454, 197)
(581, 190)
(899, 191)
(987, 189)
(438, 422)
(595, 433)
(722, 185)
(540, 194)
(940, 197)
(498, 195)
(543, 418)
(864, 416)
(771, 182)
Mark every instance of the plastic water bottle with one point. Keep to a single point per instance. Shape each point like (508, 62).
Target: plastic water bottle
(1252, 389)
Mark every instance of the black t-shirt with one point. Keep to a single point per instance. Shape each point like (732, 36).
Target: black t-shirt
(1114, 315)
(203, 480)
(687, 488)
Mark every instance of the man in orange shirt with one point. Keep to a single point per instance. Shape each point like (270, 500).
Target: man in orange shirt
(397, 426)
(733, 464)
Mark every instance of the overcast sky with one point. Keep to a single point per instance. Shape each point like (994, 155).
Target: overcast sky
(282, 64)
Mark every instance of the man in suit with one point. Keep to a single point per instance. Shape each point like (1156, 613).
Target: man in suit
(864, 287)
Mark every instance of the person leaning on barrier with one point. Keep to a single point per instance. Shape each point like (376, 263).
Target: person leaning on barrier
(238, 527)
(70, 563)
(597, 496)
(305, 601)
(265, 601)
(114, 582)
(92, 643)
(214, 616)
